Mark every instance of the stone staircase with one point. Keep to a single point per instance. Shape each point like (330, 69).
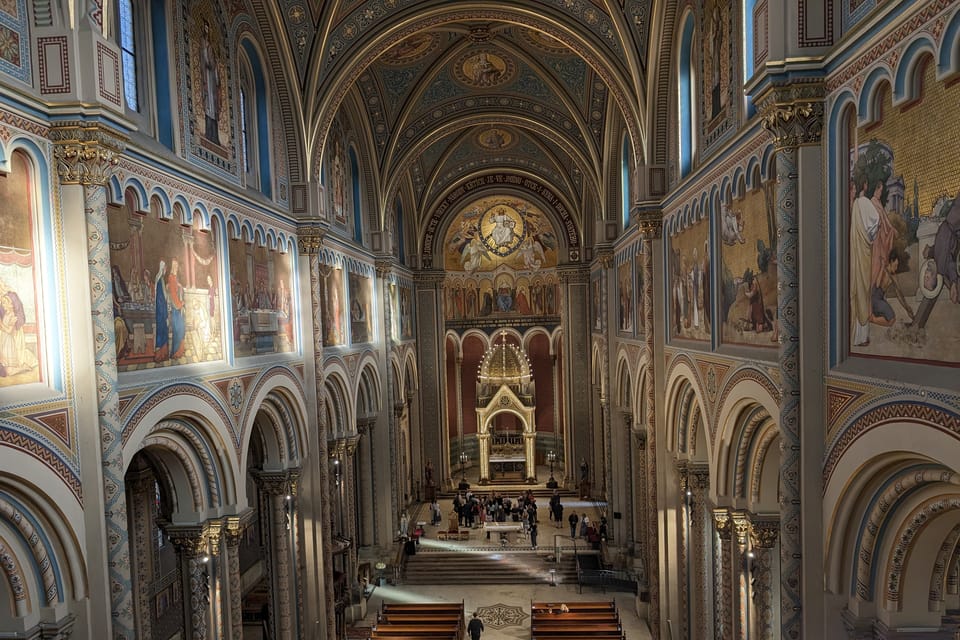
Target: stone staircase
(484, 565)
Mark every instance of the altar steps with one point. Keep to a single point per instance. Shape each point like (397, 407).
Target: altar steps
(488, 566)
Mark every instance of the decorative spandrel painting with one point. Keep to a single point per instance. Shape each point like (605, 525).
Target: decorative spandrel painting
(406, 313)
(748, 280)
(497, 231)
(626, 294)
(904, 256)
(21, 347)
(260, 286)
(689, 293)
(333, 301)
(361, 309)
(638, 294)
(166, 292)
(210, 85)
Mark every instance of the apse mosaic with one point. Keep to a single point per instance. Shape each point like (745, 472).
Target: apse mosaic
(166, 292)
(689, 292)
(497, 231)
(21, 345)
(903, 252)
(261, 282)
(748, 262)
(333, 302)
(361, 309)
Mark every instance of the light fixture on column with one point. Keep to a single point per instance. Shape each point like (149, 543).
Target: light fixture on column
(464, 459)
(337, 473)
(551, 458)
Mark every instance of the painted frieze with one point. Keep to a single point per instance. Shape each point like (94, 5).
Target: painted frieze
(626, 293)
(261, 282)
(361, 309)
(333, 302)
(689, 293)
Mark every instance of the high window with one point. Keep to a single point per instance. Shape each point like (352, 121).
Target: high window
(686, 112)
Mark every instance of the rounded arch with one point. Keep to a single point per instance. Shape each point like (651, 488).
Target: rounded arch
(683, 393)
(279, 388)
(949, 59)
(906, 82)
(868, 106)
(368, 385)
(339, 408)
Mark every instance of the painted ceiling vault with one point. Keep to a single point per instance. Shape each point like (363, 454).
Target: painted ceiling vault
(440, 92)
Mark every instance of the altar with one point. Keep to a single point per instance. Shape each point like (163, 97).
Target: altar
(511, 467)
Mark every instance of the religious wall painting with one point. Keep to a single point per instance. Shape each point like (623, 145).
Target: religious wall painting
(21, 335)
(496, 231)
(333, 303)
(505, 295)
(166, 288)
(625, 293)
(717, 74)
(338, 173)
(495, 138)
(361, 309)
(210, 83)
(638, 293)
(903, 255)
(748, 263)
(596, 309)
(261, 282)
(411, 49)
(689, 293)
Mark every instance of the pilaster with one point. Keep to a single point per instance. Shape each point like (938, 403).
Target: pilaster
(193, 554)
(763, 539)
(86, 155)
(793, 114)
(280, 488)
(698, 485)
(723, 574)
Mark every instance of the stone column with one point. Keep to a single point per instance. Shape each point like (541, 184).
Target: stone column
(233, 528)
(684, 564)
(430, 350)
(310, 241)
(86, 154)
(740, 575)
(575, 280)
(141, 489)
(384, 268)
(650, 223)
(794, 115)
(193, 554)
(701, 606)
(278, 488)
(639, 453)
(763, 538)
(723, 575)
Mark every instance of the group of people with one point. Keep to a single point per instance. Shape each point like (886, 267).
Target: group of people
(592, 533)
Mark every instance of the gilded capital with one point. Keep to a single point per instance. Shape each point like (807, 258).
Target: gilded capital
(649, 220)
(383, 267)
(310, 240)
(86, 153)
(722, 523)
(763, 533)
(793, 114)
(741, 526)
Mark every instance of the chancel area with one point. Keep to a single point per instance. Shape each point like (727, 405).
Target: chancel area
(313, 313)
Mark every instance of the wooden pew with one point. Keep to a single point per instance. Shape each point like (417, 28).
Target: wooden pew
(574, 606)
(422, 607)
(575, 629)
(419, 618)
(576, 616)
(550, 636)
(424, 630)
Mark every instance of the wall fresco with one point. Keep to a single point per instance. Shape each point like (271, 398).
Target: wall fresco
(166, 296)
(626, 292)
(748, 262)
(21, 344)
(210, 95)
(690, 269)
(505, 295)
(333, 302)
(338, 174)
(406, 312)
(904, 217)
(361, 309)
(261, 282)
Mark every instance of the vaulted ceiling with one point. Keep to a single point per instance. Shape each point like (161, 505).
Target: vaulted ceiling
(444, 91)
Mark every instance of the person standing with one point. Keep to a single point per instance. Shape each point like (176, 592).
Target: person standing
(533, 534)
(475, 627)
(573, 519)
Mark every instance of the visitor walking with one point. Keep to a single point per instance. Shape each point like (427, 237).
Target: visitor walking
(475, 628)
(573, 519)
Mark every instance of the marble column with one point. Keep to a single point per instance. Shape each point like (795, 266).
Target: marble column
(701, 605)
(684, 563)
(278, 487)
(430, 359)
(763, 538)
(650, 225)
(86, 154)
(310, 242)
(575, 281)
(739, 574)
(234, 528)
(193, 555)
(723, 574)
(141, 487)
(793, 114)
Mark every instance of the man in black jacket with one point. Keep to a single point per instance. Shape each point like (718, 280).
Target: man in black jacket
(475, 627)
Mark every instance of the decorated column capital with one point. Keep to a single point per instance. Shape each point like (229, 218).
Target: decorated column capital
(605, 257)
(698, 477)
(384, 267)
(723, 523)
(429, 279)
(764, 533)
(793, 113)
(188, 540)
(86, 153)
(310, 239)
(278, 483)
(649, 220)
(741, 526)
(573, 274)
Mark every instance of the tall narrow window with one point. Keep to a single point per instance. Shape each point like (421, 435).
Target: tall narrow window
(244, 140)
(625, 182)
(128, 54)
(686, 104)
